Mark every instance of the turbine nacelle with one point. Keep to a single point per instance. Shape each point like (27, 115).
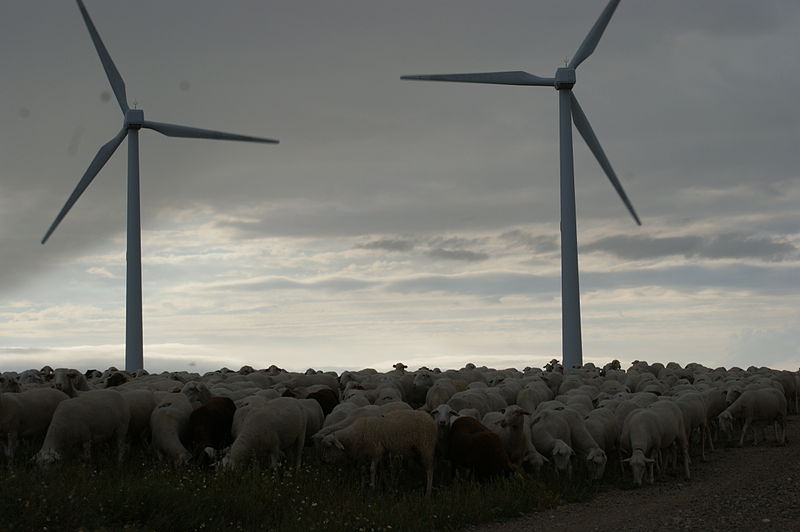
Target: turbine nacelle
(565, 78)
(134, 118)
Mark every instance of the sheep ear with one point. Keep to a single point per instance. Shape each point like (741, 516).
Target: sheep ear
(626, 460)
(649, 460)
(338, 444)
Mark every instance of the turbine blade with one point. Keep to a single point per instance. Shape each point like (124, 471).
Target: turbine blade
(582, 123)
(593, 37)
(102, 157)
(174, 130)
(117, 85)
(516, 77)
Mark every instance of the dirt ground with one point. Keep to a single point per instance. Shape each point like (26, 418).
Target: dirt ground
(736, 489)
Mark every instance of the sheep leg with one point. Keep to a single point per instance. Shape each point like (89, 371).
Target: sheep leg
(685, 450)
(373, 468)
(298, 450)
(11, 446)
(428, 478)
(122, 447)
(710, 438)
(744, 431)
(702, 443)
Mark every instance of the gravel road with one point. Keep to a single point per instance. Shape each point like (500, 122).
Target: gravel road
(736, 489)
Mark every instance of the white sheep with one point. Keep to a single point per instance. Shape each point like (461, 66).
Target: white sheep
(757, 407)
(441, 391)
(402, 433)
(197, 392)
(70, 381)
(695, 417)
(278, 426)
(9, 382)
(534, 392)
(168, 421)
(649, 431)
(550, 435)
(26, 415)
(243, 408)
(471, 398)
(91, 417)
(140, 404)
(583, 443)
(314, 417)
(357, 413)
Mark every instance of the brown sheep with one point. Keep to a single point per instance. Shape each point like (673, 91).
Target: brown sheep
(210, 426)
(473, 446)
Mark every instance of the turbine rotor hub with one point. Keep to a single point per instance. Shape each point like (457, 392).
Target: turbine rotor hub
(134, 118)
(565, 78)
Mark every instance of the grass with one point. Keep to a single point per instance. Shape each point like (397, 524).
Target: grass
(142, 494)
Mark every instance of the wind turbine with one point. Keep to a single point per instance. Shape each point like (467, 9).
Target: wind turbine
(568, 108)
(133, 121)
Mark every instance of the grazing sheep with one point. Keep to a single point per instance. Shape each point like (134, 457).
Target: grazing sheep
(278, 426)
(473, 446)
(535, 392)
(441, 391)
(387, 394)
(649, 431)
(357, 413)
(140, 404)
(243, 409)
(470, 398)
(584, 444)
(92, 417)
(314, 418)
(550, 435)
(757, 407)
(402, 433)
(197, 392)
(695, 417)
(168, 422)
(26, 415)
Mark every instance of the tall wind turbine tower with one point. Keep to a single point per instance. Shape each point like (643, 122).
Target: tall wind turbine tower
(133, 121)
(569, 110)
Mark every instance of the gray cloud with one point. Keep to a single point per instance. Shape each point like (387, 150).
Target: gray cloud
(492, 284)
(334, 284)
(535, 243)
(457, 254)
(388, 244)
(454, 241)
(724, 246)
(766, 280)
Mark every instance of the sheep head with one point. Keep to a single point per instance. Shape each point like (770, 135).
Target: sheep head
(639, 464)
(596, 461)
(562, 454)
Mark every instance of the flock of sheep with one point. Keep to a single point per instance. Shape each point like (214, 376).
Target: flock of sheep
(476, 421)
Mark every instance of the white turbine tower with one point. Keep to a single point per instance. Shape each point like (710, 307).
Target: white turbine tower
(132, 123)
(563, 81)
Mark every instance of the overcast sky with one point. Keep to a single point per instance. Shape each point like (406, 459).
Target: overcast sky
(401, 220)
